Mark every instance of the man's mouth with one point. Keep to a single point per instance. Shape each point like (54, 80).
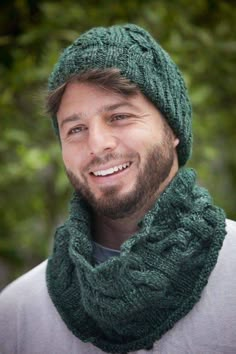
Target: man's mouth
(111, 170)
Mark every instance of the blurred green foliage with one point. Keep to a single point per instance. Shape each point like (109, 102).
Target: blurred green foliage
(199, 35)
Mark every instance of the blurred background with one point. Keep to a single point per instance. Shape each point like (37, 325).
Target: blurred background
(34, 192)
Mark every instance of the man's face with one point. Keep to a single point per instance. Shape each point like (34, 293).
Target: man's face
(117, 150)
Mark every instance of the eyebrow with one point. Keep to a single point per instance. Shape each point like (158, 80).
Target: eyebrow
(107, 108)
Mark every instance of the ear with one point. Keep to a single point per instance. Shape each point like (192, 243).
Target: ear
(176, 142)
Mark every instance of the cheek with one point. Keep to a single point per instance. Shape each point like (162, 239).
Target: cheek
(72, 159)
(68, 157)
(65, 156)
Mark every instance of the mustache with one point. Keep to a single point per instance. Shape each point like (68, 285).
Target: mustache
(98, 161)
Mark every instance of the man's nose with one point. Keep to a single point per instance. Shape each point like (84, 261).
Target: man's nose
(101, 138)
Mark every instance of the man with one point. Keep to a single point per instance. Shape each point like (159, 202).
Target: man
(145, 262)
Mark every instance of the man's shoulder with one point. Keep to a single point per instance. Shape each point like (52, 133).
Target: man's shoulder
(226, 263)
(231, 226)
(21, 302)
(26, 285)
(230, 238)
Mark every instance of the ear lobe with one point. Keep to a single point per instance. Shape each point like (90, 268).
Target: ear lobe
(176, 142)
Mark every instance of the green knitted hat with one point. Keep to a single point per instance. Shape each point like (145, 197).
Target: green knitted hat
(139, 58)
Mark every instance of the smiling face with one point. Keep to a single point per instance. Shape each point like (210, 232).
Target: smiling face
(118, 151)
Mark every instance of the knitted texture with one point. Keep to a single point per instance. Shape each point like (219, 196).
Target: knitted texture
(142, 60)
(129, 301)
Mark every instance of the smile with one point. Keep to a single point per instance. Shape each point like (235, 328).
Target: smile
(111, 170)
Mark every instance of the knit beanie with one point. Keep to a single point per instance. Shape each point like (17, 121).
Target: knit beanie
(140, 59)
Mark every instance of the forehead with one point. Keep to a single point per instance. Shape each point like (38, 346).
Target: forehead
(82, 91)
(86, 97)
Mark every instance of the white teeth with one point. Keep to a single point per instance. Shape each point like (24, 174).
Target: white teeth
(111, 170)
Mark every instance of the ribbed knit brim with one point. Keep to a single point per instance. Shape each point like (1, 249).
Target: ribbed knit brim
(142, 60)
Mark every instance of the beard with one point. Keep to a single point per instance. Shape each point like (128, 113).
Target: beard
(115, 205)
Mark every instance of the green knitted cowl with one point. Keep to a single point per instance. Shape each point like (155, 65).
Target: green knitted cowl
(130, 301)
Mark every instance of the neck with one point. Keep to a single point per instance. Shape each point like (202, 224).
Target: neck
(112, 233)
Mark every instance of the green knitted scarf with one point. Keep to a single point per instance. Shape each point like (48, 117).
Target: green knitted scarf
(130, 301)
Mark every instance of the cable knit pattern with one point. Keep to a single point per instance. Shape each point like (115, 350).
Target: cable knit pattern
(142, 60)
(130, 301)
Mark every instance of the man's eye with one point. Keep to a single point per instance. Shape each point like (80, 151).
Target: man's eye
(76, 130)
(120, 117)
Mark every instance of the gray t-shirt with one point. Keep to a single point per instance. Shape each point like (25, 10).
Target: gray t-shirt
(30, 324)
(101, 253)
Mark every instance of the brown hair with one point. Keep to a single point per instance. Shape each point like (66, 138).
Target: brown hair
(107, 79)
